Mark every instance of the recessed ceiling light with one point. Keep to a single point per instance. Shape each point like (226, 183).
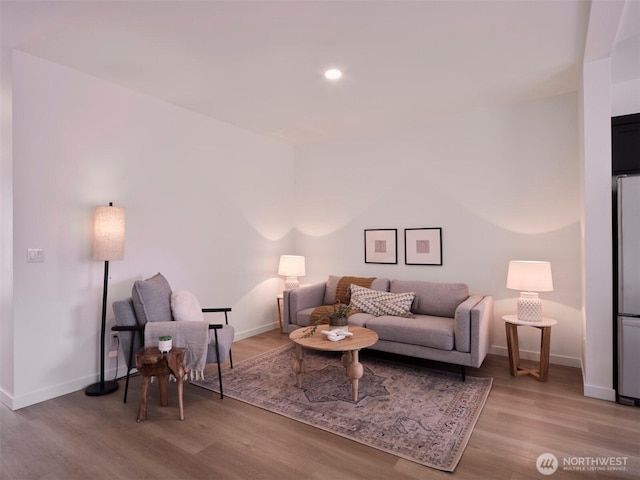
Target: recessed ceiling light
(333, 74)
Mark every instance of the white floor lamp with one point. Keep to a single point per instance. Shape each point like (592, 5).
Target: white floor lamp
(108, 244)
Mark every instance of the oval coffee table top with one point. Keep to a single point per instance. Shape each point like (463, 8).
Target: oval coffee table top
(362, 338)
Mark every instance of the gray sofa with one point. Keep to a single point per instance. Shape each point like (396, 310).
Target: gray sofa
(446, 323)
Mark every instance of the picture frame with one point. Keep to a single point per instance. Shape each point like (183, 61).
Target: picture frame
(423, 246)
(381, 245)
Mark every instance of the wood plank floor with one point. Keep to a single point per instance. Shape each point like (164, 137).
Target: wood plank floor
(80, 437)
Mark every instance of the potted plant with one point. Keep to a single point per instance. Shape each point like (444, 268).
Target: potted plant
(164, 343)
(335, 315)
(338, 316)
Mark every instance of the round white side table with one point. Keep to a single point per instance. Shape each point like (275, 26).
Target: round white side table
(511, 325)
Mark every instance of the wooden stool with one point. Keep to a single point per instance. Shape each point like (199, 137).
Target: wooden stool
(150, 362)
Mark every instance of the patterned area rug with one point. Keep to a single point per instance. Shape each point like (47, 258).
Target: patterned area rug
(413, 412)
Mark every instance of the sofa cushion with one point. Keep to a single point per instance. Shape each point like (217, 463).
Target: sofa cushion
(381, 284)
(303, 317)
(152, 299)
(381, 303)
(185, 307)
(423, 330)
(439, 299)
(360, 319)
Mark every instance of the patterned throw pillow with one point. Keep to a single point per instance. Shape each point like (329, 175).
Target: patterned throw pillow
(381, 303)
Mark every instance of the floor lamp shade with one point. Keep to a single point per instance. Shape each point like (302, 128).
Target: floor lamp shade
(529, 277)
(108, 233)
(108, 244)
(292, 267)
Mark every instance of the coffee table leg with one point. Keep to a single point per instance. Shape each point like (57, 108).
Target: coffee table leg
(180, 399)
(355, 372)
(297, 365)
(346, 360)
(162, 383)
(142, 407)
(178, 369)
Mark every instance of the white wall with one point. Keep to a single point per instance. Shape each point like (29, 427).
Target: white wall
(601, 100)
(597, 221)
(503, 184)
(207, 205)
(602, 96)
(625, 97)
(6, 221)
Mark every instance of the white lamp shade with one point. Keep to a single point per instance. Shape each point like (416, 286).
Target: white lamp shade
(108, 233)
(529, 276)
(291, 266)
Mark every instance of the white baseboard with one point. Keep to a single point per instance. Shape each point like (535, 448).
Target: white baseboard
(37, 396)
(593, 391)
(600, 393)
(6, 399)
(535, 356)
(255, 331)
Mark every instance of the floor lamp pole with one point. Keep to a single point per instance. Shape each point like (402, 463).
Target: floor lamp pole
(103, 387)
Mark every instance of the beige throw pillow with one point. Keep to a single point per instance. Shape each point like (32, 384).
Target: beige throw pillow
(185, 307)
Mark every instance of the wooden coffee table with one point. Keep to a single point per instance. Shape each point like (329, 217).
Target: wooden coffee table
(350, 346)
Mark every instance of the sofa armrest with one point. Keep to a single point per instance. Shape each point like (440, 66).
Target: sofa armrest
(299, 299)
(126, 322)
(481, 320)
(462, 323)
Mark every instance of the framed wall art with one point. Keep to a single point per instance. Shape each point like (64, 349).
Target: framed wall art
(423, 246)
(381, 246)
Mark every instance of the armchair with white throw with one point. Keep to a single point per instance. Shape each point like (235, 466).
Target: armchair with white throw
(153, 310)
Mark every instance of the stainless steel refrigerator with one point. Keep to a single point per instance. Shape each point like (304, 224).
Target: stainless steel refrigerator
(628, 288)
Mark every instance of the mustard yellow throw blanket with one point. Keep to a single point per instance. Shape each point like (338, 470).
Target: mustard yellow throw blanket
(321, 314)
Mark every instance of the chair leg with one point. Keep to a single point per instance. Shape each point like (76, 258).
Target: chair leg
(215, 333)
(226, 321)
(126, 385)
(220, 381)
(464, 373)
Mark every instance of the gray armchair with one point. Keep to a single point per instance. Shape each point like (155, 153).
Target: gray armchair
(150, 301)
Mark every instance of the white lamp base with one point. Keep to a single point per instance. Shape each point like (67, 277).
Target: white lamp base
(529, 307)
(291, 283)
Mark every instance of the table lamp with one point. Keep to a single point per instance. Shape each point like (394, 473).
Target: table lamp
(529, 277)
(108, 244)
(292, 267)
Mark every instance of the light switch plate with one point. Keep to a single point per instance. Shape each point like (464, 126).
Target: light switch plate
(35, 255)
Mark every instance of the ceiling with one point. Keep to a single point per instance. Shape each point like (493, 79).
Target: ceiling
(259, 64)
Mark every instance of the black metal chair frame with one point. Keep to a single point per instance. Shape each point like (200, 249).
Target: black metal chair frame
(140, 330)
